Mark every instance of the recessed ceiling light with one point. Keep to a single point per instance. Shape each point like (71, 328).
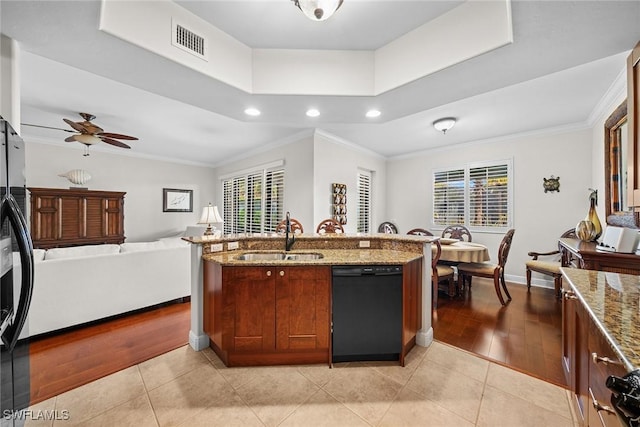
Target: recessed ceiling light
(312, 112)
(373, 113)
(252, 111)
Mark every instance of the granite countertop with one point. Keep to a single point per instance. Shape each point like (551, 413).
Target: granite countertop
(330, 257)
(613, 301)
(311, 236)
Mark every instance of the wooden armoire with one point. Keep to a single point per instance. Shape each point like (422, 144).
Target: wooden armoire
(72, 217)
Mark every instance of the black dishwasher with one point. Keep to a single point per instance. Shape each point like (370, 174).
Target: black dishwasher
(367, 312)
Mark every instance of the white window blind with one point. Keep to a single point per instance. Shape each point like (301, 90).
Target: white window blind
(477, 196)
(253, 203)
(448, 197)
(489, 196)
(364, 201)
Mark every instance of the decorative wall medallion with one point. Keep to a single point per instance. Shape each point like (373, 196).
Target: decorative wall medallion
(551, 184)
(339, 203)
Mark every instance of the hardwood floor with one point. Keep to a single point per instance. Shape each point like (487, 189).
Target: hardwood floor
(62, 362)
(525, 335)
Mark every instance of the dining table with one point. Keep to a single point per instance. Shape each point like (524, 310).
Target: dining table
(462, 251)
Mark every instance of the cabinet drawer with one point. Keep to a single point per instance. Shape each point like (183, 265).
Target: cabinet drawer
(603, 362)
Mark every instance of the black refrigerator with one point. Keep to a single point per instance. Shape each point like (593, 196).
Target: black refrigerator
(17, 279)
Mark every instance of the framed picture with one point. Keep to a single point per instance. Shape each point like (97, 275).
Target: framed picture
(174, 200)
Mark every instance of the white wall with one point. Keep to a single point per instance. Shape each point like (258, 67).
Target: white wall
(539, 218)
(298, 165)
(142, 179)
(338, 162)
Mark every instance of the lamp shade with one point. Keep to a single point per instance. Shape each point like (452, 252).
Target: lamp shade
(210, 214)
(318, 10)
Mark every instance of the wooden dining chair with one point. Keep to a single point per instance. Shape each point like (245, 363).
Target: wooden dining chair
(329, 226)
(459, 232)
(296, 226)
(549, 267)
(486, 269)
(388, 228)
(440, 273)
(420, 232)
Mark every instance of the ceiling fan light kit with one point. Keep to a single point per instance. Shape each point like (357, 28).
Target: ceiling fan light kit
(318, 10)
(90, 134)
(444, 124)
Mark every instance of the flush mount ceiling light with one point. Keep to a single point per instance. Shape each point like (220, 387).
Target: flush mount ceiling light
(252, 112)
(373, 114)
(312, 112)
(444, 124)
(318, 10)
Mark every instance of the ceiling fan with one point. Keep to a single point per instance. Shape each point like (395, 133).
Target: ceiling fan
(90, 134)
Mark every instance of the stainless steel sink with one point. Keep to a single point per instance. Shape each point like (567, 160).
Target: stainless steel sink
(278, 256)
(303, 257)
(261, 256)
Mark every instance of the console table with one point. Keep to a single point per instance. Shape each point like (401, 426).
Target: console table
(579, 254)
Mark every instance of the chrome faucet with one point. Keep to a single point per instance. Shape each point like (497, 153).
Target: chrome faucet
(288, 243)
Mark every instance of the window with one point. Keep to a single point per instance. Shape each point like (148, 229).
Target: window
(477, 196)
(364, 201)
(253, 202)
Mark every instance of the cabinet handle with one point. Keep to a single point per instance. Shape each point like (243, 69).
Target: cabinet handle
(603, 359)
(569, 295)
(598, 407)
(281, 273)
(269, 273)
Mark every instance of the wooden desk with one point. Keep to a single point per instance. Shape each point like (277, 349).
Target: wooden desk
(576, 253)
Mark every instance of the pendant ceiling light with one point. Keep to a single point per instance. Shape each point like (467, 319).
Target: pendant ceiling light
(318, 10)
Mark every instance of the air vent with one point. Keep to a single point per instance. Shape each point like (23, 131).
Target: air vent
(189, 41)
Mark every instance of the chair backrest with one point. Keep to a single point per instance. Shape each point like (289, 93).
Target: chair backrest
(420, 232)
(505, 246)
(296, 227)
(329, 226)
(570, 233)
(388, 228)
(435, 256)
(459, 232)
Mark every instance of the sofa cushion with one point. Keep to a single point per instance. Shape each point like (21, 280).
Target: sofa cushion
(80, 251)
(141, 246)
(174, 242)
(38, 254)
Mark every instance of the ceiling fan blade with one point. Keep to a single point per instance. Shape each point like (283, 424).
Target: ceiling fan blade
(76, 126)
(71, 139)
(114, 142)
(46, 127)
(117, 136)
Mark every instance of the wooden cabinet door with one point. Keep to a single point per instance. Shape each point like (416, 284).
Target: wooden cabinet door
(411, 301)
(581, 361)
(575, 360)
(568, 335)
(249, 309)
(302, 308)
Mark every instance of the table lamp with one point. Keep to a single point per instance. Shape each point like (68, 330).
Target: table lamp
(210, 215)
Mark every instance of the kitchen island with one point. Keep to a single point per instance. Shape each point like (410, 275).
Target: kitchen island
(217, 262)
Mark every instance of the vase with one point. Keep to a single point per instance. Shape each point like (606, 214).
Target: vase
(585, 230)
(593, 215)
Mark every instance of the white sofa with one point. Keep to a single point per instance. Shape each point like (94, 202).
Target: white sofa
(81, 284)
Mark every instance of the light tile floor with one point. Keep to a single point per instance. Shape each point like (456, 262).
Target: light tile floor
(439, 386)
